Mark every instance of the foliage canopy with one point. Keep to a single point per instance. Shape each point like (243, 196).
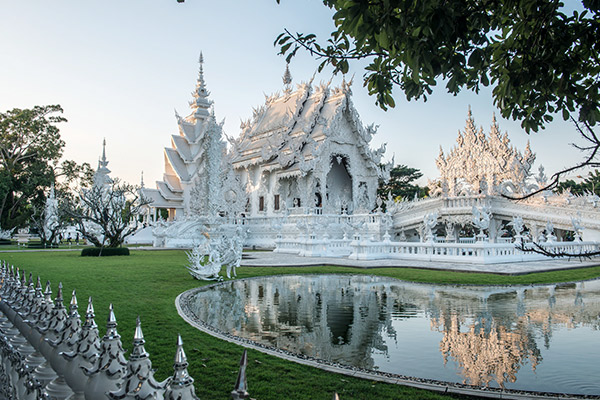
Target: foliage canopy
(539, 57)
(30, 147)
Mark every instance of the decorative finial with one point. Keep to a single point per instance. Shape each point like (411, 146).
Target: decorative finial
(58, 302)
(48, 293)
(73, 307)
(111, 324)
(89, 315)
(142, 180)
(180, 357)
(104, 150)
(138, 351)
(287, 77)
(181, 385)
(240, 391)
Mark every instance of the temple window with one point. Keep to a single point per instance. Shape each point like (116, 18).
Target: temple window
(276, 202)
(261, 203)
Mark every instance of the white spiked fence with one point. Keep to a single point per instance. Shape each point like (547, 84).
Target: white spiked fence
(47, 353)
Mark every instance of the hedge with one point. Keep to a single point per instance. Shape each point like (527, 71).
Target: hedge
(107, 251)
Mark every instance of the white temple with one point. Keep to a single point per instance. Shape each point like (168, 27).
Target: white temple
(302, 178)
(307, 148)
(304, 151)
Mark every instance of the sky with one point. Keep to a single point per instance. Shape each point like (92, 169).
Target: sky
(120, 68)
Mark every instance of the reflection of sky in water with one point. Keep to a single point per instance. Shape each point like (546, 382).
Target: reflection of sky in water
(542, 338)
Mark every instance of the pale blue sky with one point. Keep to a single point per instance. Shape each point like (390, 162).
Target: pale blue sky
(120, 68)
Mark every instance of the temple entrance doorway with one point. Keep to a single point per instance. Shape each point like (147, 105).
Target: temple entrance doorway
(339, 185)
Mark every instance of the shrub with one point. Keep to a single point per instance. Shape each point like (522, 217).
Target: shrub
(107, 251)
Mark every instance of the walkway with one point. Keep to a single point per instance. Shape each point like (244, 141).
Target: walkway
(270, 259)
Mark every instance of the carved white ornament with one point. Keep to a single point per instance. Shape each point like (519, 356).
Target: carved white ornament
(483, 164)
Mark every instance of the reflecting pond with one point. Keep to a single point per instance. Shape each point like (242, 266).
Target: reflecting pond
(539, 338)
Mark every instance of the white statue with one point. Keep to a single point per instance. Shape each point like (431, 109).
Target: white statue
(518, 226)
(224, 247)
(429, 222)
(577, 227)
(205, 261)
(160, 233)
(450, 231)
(550, 238)
(481, 219)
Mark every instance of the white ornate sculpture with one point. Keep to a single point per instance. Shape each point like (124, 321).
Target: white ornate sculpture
(518, 225)
(550, 238)
(450, 231)
(51, 222)
(592, 198)
(577, 227)
(481, 220)
(222, 248)
(429, 223)
(480, 163)
(6, 234)
(205, 261)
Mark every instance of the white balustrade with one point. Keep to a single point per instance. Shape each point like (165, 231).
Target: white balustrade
(19, 379)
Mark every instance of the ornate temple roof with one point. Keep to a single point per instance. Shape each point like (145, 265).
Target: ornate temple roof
(288, 131)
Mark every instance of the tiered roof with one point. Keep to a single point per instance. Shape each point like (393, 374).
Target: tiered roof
(184, 159)
(287, 132)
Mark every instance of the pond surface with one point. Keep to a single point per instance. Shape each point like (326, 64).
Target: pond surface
(538, 338)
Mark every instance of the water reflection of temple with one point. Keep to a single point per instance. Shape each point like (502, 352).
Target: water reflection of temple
(311, 319)
(495, 341)
(486, 354)
(488, 333)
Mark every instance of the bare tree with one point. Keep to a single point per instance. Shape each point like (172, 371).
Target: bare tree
(106, 214)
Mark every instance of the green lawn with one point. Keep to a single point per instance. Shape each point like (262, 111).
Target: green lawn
(147, 282)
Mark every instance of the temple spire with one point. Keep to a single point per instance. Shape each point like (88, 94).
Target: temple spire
(101, 177)
(287, 78)
(201, 69)
(142, 180)
(104, 162)
(201, 103)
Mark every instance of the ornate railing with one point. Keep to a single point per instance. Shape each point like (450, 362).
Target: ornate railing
(47, 353)
(468, 251)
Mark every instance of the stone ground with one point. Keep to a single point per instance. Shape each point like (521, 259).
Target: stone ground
(270, 259)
